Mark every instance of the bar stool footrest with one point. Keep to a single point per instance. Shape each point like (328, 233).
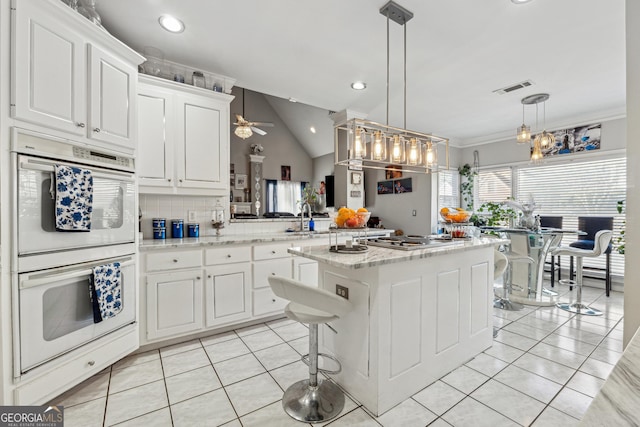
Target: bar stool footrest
(305, 360)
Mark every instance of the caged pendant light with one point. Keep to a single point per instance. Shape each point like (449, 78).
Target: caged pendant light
(376, 146)
(524, 132)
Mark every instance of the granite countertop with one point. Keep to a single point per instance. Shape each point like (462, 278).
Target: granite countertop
(379, 256)
(231, 239)
(617, 402)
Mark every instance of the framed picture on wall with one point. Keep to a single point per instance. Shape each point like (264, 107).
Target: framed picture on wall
(241, 181)
(285, 173)
(356, 178)
(385, 187)
(393, 172)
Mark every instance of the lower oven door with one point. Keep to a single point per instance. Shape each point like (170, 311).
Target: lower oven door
(56, 313)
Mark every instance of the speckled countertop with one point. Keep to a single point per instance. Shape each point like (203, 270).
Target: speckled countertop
(617, 402)
(231, 239)
(375, 255)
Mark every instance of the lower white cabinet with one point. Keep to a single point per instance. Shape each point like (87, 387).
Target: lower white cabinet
(306, 271)
(227, 294)
(174, 303)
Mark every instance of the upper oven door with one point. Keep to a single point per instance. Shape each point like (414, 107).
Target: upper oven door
(112, 220)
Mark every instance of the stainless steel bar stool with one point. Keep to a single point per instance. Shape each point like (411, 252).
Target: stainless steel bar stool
(311, 400)
(601, 242)
(504, 302)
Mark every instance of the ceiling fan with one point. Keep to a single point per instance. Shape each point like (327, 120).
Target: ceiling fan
(245, 128)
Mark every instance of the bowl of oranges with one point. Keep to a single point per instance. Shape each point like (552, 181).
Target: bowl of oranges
(350, 218)
(457, 215)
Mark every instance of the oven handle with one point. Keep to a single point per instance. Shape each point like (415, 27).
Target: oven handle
(48, 278)
(36, 165)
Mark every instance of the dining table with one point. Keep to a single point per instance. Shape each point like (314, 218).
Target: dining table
(527, 278)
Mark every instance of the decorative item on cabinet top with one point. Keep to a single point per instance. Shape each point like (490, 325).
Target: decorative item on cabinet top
(170, 70)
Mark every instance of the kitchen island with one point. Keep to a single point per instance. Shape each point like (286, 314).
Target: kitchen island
(417, 315)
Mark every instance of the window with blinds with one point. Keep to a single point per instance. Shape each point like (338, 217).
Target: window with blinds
(570, 190)
(493, 185)
(448, 189)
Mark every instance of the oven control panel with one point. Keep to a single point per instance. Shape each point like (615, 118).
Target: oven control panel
(89, 154)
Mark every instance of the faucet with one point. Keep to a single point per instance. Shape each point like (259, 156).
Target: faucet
(306, 205)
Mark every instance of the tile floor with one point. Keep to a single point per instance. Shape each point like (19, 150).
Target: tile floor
(544, 368)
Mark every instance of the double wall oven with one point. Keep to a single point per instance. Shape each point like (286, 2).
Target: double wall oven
(53, 313)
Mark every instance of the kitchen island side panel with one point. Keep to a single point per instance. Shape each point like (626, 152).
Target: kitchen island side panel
(421, 319)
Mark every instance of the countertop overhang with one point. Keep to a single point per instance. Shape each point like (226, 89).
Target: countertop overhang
(377, 256)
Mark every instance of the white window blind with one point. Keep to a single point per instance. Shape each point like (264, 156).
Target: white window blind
(571, 190)
(448, 189)
(493, 185)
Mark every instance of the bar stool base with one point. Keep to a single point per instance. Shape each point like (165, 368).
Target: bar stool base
(506, 304)
(579, 309)
(569, 282)
(313, 404)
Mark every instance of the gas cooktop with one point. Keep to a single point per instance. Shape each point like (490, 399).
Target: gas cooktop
(406, 243)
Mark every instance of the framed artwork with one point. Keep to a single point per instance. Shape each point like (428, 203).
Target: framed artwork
(385, 187)
(402, 186)
(232, 174)
(285, 173)
(356, 178)
(241, 181)
(393, 172)
(573, 140)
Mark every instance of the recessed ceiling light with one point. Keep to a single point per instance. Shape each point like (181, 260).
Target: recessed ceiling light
(312, 129)
(520, 1)
(293, 100)
(358, 85)
(171, 24)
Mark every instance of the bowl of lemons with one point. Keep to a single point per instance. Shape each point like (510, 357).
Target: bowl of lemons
(455, 215)
(350, 218)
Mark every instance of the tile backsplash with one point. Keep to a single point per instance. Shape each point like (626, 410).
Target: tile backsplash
(178, 207)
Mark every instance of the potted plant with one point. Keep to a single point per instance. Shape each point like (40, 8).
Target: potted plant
(467, 174)
(493, 214)
(620, 240)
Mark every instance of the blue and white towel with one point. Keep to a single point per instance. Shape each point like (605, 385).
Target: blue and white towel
(106, 291)
(74, 198)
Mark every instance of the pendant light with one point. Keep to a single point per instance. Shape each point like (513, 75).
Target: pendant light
(377, 146)
(536, 149)
(524, 132)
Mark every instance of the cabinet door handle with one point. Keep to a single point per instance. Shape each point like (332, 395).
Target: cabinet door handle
(273, 274)
(228, 255)
(180, 180)
(197, 277)
(169, 179)
(209, 276)
(80, 125)
(91, 362)
(96, 130)
(175, 260)
(273, 252)
(273, 300)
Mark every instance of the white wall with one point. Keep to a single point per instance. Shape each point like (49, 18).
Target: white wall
(632, 268)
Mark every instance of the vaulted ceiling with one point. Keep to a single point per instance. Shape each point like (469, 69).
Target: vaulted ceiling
(458, 53)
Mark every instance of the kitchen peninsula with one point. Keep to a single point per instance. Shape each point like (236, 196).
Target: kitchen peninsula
(416, 315)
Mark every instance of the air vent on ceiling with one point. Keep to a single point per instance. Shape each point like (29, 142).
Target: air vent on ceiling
(513, 87)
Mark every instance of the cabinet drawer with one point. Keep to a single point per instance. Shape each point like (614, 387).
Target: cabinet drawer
(173, 260)
(227, 255)
(278, 250)
(265, 302)
(263, 269)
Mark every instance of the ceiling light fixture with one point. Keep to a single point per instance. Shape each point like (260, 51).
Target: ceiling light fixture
(543, 139)
(524, 132)
(312, 129)
(171, 23)
(376, 146)
(358, 85)
(520, 1)
(244, 130)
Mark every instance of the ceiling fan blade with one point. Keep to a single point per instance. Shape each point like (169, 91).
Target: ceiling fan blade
(258, 131)
(263, 124)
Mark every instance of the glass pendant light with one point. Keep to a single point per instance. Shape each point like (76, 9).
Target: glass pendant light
(359, 144)
(430, 156)
(414, 157)
(379, 148)
(536, 153)
(243, 132)
(524, 132)
(397, 149)
(546, 139)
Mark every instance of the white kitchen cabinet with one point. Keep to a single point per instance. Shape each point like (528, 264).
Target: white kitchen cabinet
(174, 303)
(70, 76)
(228, 294)
(306, 271)
(183, 137)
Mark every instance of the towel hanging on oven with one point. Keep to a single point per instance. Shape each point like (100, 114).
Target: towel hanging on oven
(74, 198)
(105, 291)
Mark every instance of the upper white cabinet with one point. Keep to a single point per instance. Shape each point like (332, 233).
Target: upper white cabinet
(70, 76)
(183, 139)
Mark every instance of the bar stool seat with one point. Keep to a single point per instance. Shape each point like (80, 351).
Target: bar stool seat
(311, 400)
(504, 302)
(601, 242)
